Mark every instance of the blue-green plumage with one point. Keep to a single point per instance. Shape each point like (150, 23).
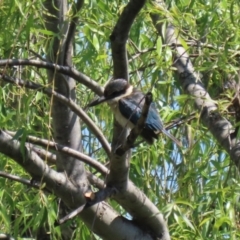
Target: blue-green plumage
(127, 103)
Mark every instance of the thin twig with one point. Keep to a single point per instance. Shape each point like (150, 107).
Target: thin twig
(19, 179)
(179, 121)
(70, 215)
(47, 156)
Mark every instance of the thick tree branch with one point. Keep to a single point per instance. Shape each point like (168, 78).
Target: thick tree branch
(101, 218)
(66, 70)
(191, 83)
(65, 124)
(129, 196)
(135, 202)
(68, 151)
(35, 166)
(119, 38)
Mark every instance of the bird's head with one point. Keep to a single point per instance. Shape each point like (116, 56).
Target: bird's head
(114, 91)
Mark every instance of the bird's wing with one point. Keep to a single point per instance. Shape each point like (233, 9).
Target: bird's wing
(132, 110)
(153, 119)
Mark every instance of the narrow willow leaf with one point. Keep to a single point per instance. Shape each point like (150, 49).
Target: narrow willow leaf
(159, 46)
(96, 42)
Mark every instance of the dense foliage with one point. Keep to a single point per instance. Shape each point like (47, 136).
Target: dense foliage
(196, 187)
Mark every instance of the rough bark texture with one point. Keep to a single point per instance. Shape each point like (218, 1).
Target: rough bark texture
(100, 218)
(66, 126)
(191, 83)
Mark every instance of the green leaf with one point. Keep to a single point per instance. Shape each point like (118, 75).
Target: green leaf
(188, 222)
(220, 221)
(159, 46)
(45, 32)
(39, 96)
(183, 202)
(18, 134)
(95, 42)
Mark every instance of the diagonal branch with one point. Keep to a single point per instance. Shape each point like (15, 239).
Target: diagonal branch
(92, 199)
(190, 81)
(67, 101)
(18, 179)
(108, 223)
(69, 151)
(47, 156)
(35, 166)
(69, 71)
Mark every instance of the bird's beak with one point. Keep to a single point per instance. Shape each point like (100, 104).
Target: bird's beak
(97, 101)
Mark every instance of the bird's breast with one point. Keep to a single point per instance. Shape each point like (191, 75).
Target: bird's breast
(124, 122)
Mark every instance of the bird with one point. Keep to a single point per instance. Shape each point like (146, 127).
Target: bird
(126, 103)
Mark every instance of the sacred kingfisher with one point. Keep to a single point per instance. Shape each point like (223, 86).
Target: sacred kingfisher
(127, 103)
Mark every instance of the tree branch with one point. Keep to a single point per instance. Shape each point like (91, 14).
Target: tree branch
(134, 195)
(19, 179)
(129, 196)
(191, 83)
(71, 32)
(95, 181)
(69, 71)
(69, 151)
(136, 203)
(92, 199)
(33, 164)
(68, 102)
(119, 38)
(49, 157)
(101, 218)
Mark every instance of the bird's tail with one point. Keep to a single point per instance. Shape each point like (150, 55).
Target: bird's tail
(171, 137)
